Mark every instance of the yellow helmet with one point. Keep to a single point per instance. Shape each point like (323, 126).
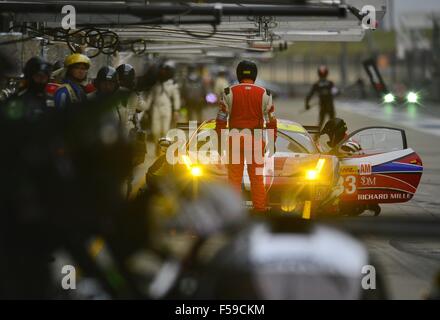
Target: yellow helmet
(76, 58)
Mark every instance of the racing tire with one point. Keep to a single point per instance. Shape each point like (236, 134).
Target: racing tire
(376, 209)
(351, 210)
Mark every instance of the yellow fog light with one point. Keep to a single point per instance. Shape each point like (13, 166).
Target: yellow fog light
(196, 171)
(314, 174)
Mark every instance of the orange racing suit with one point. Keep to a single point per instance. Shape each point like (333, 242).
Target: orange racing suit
(247, 106)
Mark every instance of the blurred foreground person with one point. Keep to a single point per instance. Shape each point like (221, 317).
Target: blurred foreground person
(61, 188)
(281, 258)
(274, 257)
(31, 101)
(326, 91)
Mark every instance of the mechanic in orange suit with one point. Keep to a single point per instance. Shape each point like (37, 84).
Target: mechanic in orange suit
(247, 106)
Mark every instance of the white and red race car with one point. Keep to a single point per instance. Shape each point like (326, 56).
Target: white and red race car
(301, 177)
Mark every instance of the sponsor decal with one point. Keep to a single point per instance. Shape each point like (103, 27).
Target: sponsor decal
(386, 196)
(365, 169)
(373, 196)
(400, 196)
(345, 170)
(368, 181)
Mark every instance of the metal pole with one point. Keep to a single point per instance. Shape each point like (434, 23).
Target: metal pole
(155, 10)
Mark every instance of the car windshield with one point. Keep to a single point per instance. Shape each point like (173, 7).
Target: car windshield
(287, 141)
(304, 141)
(286, 144)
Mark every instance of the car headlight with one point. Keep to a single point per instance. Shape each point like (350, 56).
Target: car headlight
(389, 98)
(412, 97)
(314, 174)
(194, 170)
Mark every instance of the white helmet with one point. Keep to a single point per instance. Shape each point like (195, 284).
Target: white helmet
(351, 147)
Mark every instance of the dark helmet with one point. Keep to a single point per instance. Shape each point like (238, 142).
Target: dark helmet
(166, 70)
(336, 130)
(247, 70)
(35, 65)
(107, 73)
(168, 64)
(126, 74)
(323, 71)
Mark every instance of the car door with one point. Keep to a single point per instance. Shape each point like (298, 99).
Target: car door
(384, 171)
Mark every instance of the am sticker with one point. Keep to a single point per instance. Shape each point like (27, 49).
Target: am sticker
(365, 169)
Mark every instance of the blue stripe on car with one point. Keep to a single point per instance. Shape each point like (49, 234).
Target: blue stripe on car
(397, 167)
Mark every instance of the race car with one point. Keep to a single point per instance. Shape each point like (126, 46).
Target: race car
(301, 177)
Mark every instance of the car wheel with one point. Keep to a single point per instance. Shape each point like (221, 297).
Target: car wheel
(375, 208)
(351, 210)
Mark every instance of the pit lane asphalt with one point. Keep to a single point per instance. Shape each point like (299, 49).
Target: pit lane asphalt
(407, 266)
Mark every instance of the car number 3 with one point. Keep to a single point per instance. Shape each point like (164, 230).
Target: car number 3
(350, 184)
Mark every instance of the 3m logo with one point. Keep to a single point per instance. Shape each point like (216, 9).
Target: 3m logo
(365, 169)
